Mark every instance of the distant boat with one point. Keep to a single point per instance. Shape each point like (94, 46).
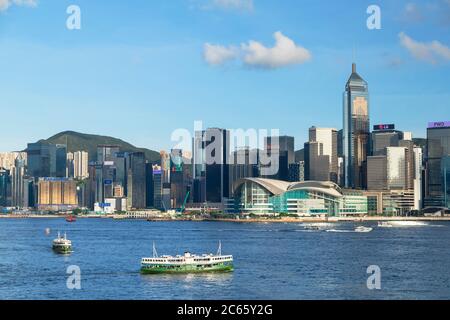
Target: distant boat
(363, 229)
(408, 223)
(384, 224)
(187, 263)
(62, 244)
(71, 218)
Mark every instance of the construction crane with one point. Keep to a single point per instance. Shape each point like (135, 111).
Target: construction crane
(185, 201)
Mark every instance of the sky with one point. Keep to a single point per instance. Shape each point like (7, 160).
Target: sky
(138, 70)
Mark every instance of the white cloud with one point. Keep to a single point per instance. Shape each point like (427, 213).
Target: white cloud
(5, 4)
(218, 55)
(285, 52)
(430, 52)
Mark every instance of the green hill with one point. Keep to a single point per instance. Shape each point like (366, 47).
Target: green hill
(88, 142)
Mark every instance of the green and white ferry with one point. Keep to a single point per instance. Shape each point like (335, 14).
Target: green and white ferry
(187, 263)
(62, 244)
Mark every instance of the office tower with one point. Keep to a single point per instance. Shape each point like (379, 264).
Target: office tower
(340, 145)
(4, 186)
(317, 165)
(178, 187)
(383, 136)
(285, 143)
(80, 165)
(107, 152)
(297, 171)
(136, 181)
(157, 187)
(327, 147)
(377, 172)
(282, 149)
(388, 172)
(418, 167)
(438, 147)
(211, 153)
(57, 194)
(356, 130)
(165, 196)
(69, 165)
(409, 162)
(46, 160)
(165, 166)
(149, 187)
(244, 165)
(445, 168)
(19, 194)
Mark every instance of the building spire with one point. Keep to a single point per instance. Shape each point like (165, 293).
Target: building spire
(353, 67)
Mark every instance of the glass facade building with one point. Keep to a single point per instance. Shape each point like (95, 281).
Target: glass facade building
(438, 148)
(356, 130)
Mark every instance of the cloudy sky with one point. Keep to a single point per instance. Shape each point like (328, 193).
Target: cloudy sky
(140, 69)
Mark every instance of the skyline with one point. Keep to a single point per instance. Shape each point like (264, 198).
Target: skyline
(139, 73)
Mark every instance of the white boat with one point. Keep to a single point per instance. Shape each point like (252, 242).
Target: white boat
(62, 244)
(408, 223)
(363, 229)
(187, 263)
(384, 224)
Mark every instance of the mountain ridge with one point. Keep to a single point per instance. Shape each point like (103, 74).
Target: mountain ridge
(77, 141)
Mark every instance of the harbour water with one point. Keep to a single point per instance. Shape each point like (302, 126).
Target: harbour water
(272, 261)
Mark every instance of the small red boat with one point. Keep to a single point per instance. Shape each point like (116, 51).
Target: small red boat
(71, 219)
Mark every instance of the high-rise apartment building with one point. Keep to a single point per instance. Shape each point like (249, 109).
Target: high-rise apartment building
(356, 130)
(81, 165)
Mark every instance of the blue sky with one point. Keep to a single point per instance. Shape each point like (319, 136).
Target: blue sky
(137, 70)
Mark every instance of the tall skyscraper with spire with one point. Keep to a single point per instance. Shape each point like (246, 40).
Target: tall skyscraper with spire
(356, 131)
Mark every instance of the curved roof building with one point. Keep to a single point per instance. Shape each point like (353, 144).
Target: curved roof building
(308, 198)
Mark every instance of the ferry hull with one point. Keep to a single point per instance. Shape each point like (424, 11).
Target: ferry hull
(186, 269)
(62, 249)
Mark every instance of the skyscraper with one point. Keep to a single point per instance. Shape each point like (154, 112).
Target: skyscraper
(46, 160)
(327, 147)
(4, 185)
(282, 149)
(438, 148)
(136, 181)
(18, 185)
(211, 153)
(80, 165)
(356, 130)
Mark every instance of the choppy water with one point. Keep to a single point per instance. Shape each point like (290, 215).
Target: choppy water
(272, 261)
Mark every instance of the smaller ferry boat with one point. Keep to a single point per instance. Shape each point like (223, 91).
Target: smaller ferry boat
(62, 244)
(71, 218)
(187, 263)
(363, 229)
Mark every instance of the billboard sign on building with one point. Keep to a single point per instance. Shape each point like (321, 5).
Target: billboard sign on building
(441, 124)
(380, 127)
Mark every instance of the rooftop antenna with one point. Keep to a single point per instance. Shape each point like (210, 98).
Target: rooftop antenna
(155, 254)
